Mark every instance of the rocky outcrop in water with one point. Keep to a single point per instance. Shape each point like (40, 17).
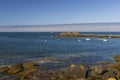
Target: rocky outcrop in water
(69, 34)
(76, 34)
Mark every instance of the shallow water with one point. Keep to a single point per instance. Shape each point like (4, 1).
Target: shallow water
(19, 47)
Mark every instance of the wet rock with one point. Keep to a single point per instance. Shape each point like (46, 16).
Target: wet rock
(117, 58)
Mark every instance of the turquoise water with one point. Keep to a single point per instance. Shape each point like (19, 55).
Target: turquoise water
(19, 47)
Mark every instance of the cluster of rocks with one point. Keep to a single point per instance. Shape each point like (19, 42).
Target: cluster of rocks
(76, 34)
(32, 71)
(21, 71)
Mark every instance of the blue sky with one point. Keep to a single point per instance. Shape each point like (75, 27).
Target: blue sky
(45, 12)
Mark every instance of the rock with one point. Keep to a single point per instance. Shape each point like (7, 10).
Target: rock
(118, 75)
(117, 58)
(114, 66)
(28, 69)
(76, 34)
(72, 65)
(15, 69)
(23, 70)
(98, 69)
(26, 73)
(4, 69)
(69, 34)
(111, 79)
(103, 63)
(30, 65)
(73, 72)
(109, 74)
(78, 71)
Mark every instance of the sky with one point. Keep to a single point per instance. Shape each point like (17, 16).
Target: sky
(48, 12)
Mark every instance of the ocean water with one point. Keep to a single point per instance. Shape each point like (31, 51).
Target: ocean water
(16, 47)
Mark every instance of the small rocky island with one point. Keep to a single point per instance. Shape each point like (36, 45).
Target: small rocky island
(76, 34)
(33, 71)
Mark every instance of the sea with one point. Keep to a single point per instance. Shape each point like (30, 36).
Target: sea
(17, 47)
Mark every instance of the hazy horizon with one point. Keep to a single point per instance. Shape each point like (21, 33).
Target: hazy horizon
(81, 27)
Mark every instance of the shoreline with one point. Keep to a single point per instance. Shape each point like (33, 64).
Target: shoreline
(33, 71)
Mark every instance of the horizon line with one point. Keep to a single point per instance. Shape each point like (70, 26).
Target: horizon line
(67, 24)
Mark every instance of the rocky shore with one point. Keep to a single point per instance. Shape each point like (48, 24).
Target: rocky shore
(33, 71)
(76, 34)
